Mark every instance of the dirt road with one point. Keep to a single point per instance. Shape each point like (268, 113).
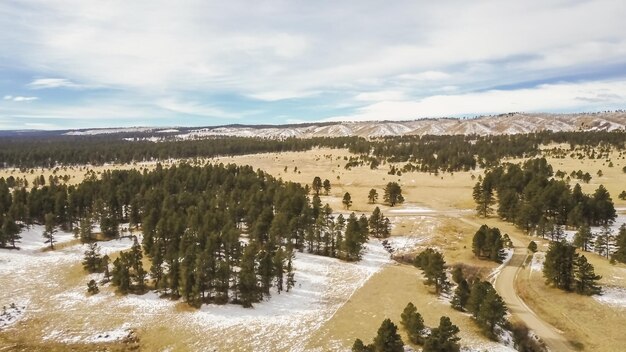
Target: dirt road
(505, 285)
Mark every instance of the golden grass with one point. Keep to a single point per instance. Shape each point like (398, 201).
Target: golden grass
(596, 326)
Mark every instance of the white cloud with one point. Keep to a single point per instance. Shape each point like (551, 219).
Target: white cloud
(565, 96)
(381, 96)
(349, 51)
(194, 108)
(43, 83)
(19, 98)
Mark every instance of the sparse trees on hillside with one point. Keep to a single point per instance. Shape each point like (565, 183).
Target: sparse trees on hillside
(379, 225)
(487, 244)
(433, 267)
(567, 270)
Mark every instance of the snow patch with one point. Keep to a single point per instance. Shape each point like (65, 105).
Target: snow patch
(508, 254)
(613, 296)
(11, 314)
(537, 261)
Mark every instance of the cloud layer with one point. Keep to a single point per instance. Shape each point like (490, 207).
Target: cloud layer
(211, 62)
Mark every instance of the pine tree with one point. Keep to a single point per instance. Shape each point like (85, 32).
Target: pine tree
(393, 194)
(492, 312)
(86, 230)
(532, 246)
(104, 264)
(583, 238)
(326, 186)
(248, 289)
(585, 278)
(290, 282)
(317, 185)
(358, 346)
(433, 267)
(10, 231)
(372, 197)
(604, 241)
(92, 287)
(620, 244)
(92, 261)
(461, 295)
(387, 339)
(443, 338)
(379, 225)
(278, 263)
(484, 198)
(558, 268)
(413, 323)
(49, 231)
(347, 200)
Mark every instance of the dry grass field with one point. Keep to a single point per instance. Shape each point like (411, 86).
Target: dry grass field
(437, 212)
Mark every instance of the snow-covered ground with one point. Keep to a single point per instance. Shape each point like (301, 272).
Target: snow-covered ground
(410, 210)
(537, 262)
(283, 322)
(508, 254)
(11, 313)
(613, 296)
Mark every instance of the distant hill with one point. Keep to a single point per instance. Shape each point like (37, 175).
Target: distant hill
(512, 123)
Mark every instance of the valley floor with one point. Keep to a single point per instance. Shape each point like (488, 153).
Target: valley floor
(332, 303)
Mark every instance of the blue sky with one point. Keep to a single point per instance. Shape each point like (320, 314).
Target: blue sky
(79, 64)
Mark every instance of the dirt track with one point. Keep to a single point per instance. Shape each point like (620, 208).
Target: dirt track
(505, 285)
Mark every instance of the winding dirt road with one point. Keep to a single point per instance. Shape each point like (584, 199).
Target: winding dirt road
(505, 285)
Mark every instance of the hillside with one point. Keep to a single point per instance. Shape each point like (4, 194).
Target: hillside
(513, 123)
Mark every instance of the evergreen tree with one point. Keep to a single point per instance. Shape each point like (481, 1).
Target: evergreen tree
(532, 246)
(290, 282)
(92, 287)
(387, 339)
(326, 186)
(358, 346)
(461, 295)
(393, 194)
(92, 261)
(558, 268)
(620, 244)
(413, 323)
(372, 196)
(10, 232)
(86, 230)
(49, 230)
(317, 185)
(248, 289)
(583, 238)
(492, 312)
(484, 198)
(433, 267)
(585, 278)
(443, 338)
(104, 264)
(604, 241)
(379, 225)
(347, 200)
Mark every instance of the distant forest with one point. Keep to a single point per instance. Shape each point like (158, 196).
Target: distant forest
(421, 153)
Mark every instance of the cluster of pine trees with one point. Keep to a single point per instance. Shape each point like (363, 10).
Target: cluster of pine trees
(478, 297)
(481, 300)
(443, 338)
(212, 234)
(488, 244)
(529, 197)
(433, 267)
(570, 271)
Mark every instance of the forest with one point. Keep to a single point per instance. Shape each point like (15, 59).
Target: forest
(448, 153)
(217, 233)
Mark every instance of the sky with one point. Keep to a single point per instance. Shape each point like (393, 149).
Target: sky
(119, 63)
